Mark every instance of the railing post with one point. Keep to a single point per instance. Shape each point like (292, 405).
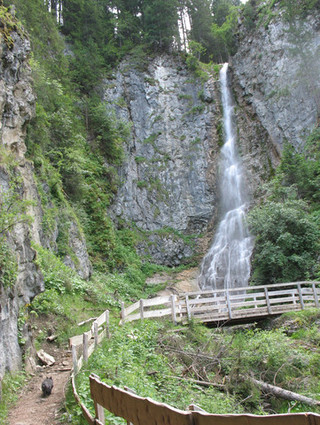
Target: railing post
(188, 308)
(315, 295)
(268, 300)
(132, 392)
(228, 304)
(74, 359)
(107, 324)
(141, 309)
(300, 296)
(85, 347)
(173, 308)
(99, 413)
(122, 312)
(95, 332)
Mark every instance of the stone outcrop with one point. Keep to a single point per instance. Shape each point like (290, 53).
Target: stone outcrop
(276, 72)
(169, 172)
(17, 107)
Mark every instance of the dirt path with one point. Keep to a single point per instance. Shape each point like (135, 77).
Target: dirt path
(32, 408)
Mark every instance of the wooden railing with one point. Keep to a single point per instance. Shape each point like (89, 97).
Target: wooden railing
(145, 411)
(82, 346)
(227, 304)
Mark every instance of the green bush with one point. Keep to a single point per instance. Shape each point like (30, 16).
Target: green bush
(287, 242)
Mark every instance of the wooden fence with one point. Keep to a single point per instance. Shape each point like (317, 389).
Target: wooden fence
(227, 304)
(145, 411)
(82, 346)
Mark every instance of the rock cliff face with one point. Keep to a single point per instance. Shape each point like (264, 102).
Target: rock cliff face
(16, 108)
(170, 173)
(168, 176)
(17, 103)
(276, 72)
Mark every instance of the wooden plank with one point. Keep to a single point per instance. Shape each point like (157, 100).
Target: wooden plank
(101, 336)
(188, 308)
(252, 303)
(150, 314)
(131, 308)
(101, 319)
(211, 300)
(133, 317)
(75, 340)
(95, 330)
(87, 415)
(201, 418)
(300, 296)
(107, 314)
(74, 359)
(136, 409)
(281, 300)
(141, 309)
(267, 301)
(79, 363)
(173, 308)
(157, 301)
(158, 313)
(99, 413)
(228, 304)
(85, 347)
(250, 288)
(315, 295)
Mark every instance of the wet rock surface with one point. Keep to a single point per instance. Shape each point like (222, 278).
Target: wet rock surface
(170, 168)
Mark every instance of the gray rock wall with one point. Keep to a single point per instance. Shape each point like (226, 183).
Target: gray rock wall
(16, 108)
(276, 72)
(170, 167)
(17, 103)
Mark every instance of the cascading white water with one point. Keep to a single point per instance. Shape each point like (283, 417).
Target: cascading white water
(227, 264)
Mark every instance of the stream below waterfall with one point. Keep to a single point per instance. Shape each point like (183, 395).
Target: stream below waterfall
(227, 264)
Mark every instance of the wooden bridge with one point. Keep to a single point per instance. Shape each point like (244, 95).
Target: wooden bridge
(225, 305)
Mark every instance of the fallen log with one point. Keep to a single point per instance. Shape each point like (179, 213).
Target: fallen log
(285, 394)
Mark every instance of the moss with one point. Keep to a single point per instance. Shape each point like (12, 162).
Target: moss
(9, 24)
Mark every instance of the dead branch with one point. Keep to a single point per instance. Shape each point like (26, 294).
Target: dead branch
(285, 394)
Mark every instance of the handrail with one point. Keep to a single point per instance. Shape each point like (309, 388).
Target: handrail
(227, 304)
(89, 341)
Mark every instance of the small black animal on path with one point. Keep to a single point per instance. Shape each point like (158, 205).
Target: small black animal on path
(47, 386)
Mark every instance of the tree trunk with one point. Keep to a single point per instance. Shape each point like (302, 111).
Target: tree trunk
(287, 395)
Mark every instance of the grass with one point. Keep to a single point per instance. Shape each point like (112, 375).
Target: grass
(10, 386)
(157, 360)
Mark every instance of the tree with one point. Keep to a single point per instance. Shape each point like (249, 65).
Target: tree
(287, 242)
(201, 21)
(221, 9)
(160, 23)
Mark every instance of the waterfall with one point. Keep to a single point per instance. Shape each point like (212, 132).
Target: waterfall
(227, 264)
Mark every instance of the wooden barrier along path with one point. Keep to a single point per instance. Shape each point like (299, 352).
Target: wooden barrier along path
(223, 305)
(82, 346)
(138, 410)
